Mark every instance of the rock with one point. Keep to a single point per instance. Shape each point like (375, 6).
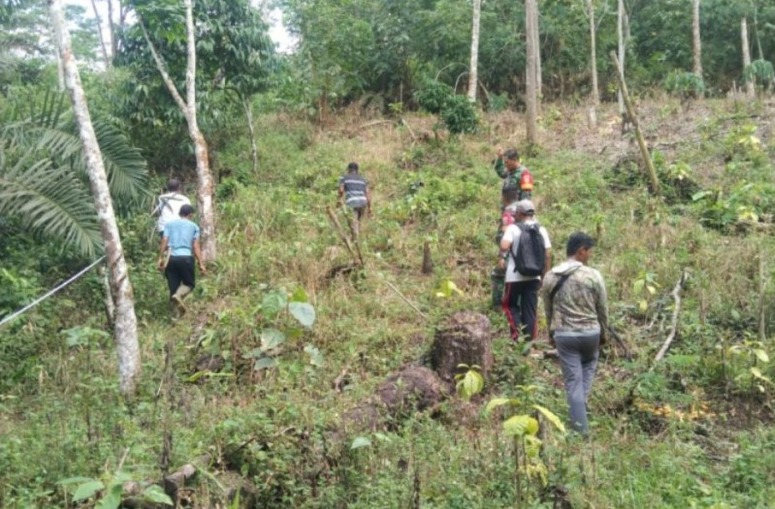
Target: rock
(464, 339)
(414, 388)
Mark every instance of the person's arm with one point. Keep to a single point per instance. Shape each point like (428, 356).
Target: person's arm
(505, 246)
(601, 306)
(198, 256)
(163, 252)
(500, 168)
(548, 263)
(548, 285)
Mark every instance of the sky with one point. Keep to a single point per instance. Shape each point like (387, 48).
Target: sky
(282, 39)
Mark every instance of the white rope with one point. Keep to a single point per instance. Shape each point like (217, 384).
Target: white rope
(49, 294)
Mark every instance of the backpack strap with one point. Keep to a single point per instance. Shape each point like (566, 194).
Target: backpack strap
(559, 285)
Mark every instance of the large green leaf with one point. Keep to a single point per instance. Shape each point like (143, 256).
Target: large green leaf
(551, 417)
(87, 490)
(496, 402)
(303, 312)
(521, 425)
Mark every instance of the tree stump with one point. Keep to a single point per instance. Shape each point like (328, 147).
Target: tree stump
(414, 388)
(464, 339)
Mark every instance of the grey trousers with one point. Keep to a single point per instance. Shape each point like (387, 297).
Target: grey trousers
(578, 358)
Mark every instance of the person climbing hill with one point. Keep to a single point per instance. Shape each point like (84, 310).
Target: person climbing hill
(526, 254)
(178, 250)
(354, 192)
(514, 173)
(168, 205)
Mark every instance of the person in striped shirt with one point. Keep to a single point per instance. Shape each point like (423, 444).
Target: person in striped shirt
(354, 192)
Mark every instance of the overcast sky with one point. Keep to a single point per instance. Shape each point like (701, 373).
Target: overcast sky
(277, 31)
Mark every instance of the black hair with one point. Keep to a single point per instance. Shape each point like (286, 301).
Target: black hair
(510, 193)
(186, 210)
(173, 185)
(511, 154)
(577, 241)
(352, 167)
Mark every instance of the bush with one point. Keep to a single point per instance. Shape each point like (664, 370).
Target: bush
(685, 85)
(457, 113)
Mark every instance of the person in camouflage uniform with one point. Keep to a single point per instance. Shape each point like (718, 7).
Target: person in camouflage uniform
(576, 306)
(514, 174)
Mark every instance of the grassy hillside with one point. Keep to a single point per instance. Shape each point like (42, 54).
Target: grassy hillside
(696, 434)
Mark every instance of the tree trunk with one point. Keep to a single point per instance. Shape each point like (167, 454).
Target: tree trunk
(112, 30)
(104, 48)
(537, 49)
(750, 90)
(473, 75)
(531, 72)
(697, 41)
(251, 131)
(205, 185)
(622, 49)
(593, 53)
(125, 331)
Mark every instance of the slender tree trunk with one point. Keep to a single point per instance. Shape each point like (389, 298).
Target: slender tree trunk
(750, 90)
(205, 184)
(620, 29)
(537, 49)
(593, 53)
(125, 330)
(473, 75)
(104, 48)
(251, 131)
(531, 72)
(112, 30)
(697, 41)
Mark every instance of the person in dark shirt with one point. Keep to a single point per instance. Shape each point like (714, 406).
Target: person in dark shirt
(354, 192)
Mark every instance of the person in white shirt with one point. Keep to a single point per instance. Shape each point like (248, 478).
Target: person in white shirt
(169, 204)
(526, 254)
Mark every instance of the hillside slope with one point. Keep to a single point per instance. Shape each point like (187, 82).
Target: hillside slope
(691, 432)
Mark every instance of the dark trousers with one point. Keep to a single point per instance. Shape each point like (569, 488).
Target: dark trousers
(180, 270)
(520, 304)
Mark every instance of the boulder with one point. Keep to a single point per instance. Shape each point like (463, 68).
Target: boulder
(465, 338)
(413, 388)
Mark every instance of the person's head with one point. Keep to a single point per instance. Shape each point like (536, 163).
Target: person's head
(173, 185)
(509, 195)
(187, 211)
(352, 168)
(525, 210)
(579, 246)
(511, 159)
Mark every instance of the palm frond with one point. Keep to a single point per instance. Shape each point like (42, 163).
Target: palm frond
(49, 200)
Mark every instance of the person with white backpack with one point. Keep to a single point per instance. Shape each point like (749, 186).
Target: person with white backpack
(169, 204)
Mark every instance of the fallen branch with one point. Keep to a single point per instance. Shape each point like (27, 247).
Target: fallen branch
(170, 483)
(406, 124)
(674, 325)
(374, 123)
(355, 240)
(403, 297)
(343, 237)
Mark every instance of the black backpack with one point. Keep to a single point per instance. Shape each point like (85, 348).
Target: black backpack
(530, 257)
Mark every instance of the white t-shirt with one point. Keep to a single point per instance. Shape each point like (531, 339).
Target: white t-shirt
(168, 208)
(512, 234)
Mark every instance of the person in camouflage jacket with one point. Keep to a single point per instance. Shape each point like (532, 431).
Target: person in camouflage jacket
(576, 306)
(514, 174)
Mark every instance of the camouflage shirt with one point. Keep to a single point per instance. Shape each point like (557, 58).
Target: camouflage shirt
(514, 179)
(581, 304)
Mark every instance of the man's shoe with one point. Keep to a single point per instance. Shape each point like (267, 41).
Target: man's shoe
(178, 302)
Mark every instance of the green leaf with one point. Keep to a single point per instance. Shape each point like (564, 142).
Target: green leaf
(299, 295)
(756, 372)
(273, 303)
(496, 402)
(360, 442)
(271, 339)
(155, 494)
(112, 498)
(303, 312)
(316, 357)
(470, 385)
(761, 355)
(521, 425)
(87, 490)
(264, 363)
(551, 417)
(638, 286)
